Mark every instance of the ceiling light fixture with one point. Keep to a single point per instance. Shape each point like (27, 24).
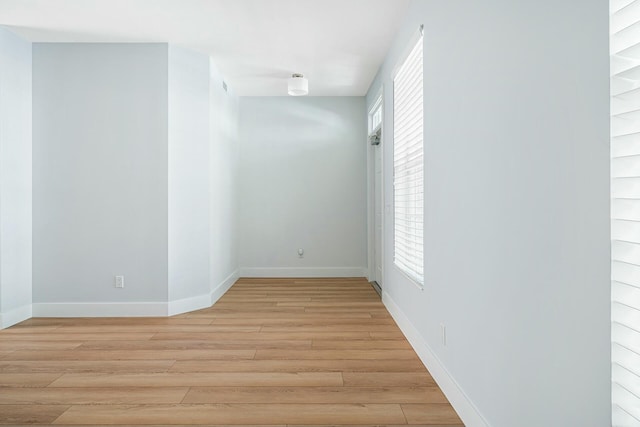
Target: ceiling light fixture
(298, 85)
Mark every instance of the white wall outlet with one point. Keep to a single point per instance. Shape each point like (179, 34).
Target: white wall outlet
(119, 281)
(443, 331)
(300, 252)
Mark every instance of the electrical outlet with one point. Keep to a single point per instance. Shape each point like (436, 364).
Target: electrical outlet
(119, 281)
(443, 330)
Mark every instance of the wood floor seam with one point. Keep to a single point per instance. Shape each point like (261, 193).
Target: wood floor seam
(186, 393)
(54, 380)
(406, 421)
(65, 410)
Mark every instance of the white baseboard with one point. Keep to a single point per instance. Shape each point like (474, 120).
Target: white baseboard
(199, 302)
(17, 315)
(125, 309)
(467, 411)
(223, 287)
(108, 309)
(303, 272)
(184, 305)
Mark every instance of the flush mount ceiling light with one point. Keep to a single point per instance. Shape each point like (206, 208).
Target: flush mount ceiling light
(298, 85)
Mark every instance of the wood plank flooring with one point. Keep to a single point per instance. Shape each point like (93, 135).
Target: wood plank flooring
(277, 352)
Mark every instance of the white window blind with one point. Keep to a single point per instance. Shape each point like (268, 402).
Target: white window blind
(408, 172)
(625, 212)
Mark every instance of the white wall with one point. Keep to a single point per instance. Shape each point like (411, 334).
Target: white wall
(516, 209)
(15, 179)
(302, 185)
(188, 174)
(223, 200)
(99, 172)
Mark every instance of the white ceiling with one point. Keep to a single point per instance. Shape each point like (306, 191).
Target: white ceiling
(256, 44)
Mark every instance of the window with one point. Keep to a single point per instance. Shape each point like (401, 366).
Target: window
(375, 117)
(408, 166)
(625, 212)
(375, 122)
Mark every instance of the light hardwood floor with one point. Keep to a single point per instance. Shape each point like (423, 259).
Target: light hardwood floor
(270, 352)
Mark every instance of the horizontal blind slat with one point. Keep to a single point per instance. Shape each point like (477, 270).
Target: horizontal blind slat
(625, 251)
(621, 418)
(625, 357)
(625, 378)
(625, 314)
(623, 294)
(625, 145)
(625, 231)
(625, 188)
(626, 401)
(625, 336)
(625, 167)
(628, 209)
(616, 5)
(625, 273)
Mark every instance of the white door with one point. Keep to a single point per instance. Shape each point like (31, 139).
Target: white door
(375, 138)
(378, 208)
